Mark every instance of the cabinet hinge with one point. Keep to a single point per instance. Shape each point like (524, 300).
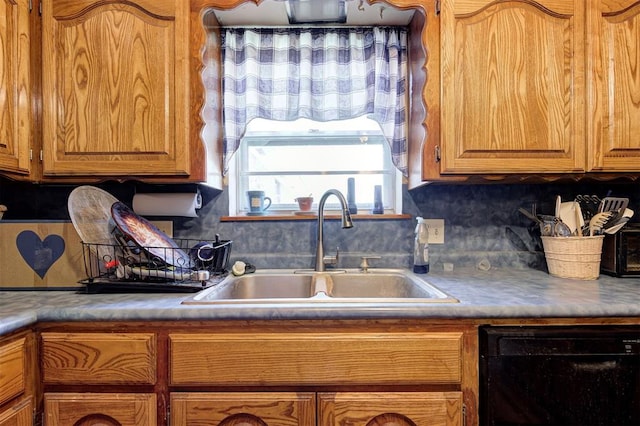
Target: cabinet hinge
(40, 8)
(30, 154)
(437, 7)
(464, 415)
(41, 155)
(437, 153)
(30, 5)
(168, 418)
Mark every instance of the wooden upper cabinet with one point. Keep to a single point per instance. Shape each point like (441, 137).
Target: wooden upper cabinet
(613, 82)
(15, 87)
(116, 88)
(512, 76)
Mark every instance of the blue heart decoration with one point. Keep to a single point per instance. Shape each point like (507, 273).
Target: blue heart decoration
(40, 255)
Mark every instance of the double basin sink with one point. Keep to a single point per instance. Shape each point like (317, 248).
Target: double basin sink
(339, 286)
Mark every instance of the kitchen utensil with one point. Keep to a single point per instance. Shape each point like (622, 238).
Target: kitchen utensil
(589, 205)
(90, 211)
(571, 214)
(613, 204)
(148, 237)
(617, 226)
(530, 215)
(613, 226)
(597, 221)
(560, 229)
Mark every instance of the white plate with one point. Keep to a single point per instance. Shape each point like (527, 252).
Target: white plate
(90, 211)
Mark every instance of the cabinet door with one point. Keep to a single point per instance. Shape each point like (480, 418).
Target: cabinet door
(613, 81)
(246, 409)
(15, 86)
(390, 409)
(86, 409)
(512, 86)
(21, 415)
(12, 370)
(115, 88)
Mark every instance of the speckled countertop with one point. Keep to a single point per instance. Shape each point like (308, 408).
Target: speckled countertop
(493, 294)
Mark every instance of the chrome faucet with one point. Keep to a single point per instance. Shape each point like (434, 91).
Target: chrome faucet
(346, 223)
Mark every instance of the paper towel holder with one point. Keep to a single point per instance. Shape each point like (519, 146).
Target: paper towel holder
(193, 193)
(170, 189)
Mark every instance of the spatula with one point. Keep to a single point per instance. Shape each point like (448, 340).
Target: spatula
(613, 204)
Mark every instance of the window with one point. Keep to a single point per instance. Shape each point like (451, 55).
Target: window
(306, 109)
(294, 159)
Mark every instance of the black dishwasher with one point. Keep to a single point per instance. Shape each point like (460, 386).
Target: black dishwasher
(582, 375)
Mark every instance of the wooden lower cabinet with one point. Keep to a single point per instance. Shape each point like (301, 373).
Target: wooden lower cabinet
(16, 381)
(21, 415)
(244, 408)
(333, 408)
(236, 373)
(98, 358)
(390, 409)
(104, 409)
(12, 369)
(350, 375)
(87, 362)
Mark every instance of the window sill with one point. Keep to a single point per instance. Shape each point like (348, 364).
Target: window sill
(329, 216)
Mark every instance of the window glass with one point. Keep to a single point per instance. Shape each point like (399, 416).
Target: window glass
(301, 158)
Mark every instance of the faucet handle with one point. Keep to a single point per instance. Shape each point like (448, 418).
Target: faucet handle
(332, 260)
(364, 265)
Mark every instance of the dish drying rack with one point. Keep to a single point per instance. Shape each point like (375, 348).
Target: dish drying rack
(193, 265)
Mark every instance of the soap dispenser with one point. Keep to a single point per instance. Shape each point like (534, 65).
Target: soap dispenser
(421, 248)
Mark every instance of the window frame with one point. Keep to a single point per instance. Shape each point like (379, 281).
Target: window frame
(393, 187)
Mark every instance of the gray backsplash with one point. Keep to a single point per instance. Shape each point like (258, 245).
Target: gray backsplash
(482, 223)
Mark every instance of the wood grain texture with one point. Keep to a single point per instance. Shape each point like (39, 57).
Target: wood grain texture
(20, 415)
(116, 88)
(390, 409)
(98, 358)
(16, 120)
(122, 409)
(613, 85)
(12, 369)
(513, 87)
(316, 358)
(243, 409)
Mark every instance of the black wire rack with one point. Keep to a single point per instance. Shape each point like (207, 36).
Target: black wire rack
(190, 266)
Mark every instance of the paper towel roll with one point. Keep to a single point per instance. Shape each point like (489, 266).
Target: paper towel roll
(162, 204)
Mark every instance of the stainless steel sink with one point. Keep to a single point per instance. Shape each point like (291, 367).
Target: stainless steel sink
(350, 286)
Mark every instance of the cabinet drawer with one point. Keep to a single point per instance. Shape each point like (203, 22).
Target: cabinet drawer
(315, 359)
(12, 369)
(99, 358)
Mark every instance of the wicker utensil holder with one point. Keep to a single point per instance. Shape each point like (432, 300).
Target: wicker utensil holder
(573, 257)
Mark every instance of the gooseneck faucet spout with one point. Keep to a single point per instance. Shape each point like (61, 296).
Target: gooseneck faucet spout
(346, 223)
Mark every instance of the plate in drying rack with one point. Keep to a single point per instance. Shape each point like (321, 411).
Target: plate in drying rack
(147, 236)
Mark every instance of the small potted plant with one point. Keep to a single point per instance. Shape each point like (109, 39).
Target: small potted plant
(305, 203)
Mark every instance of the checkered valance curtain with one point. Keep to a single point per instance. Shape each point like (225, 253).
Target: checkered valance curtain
(322, 74)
